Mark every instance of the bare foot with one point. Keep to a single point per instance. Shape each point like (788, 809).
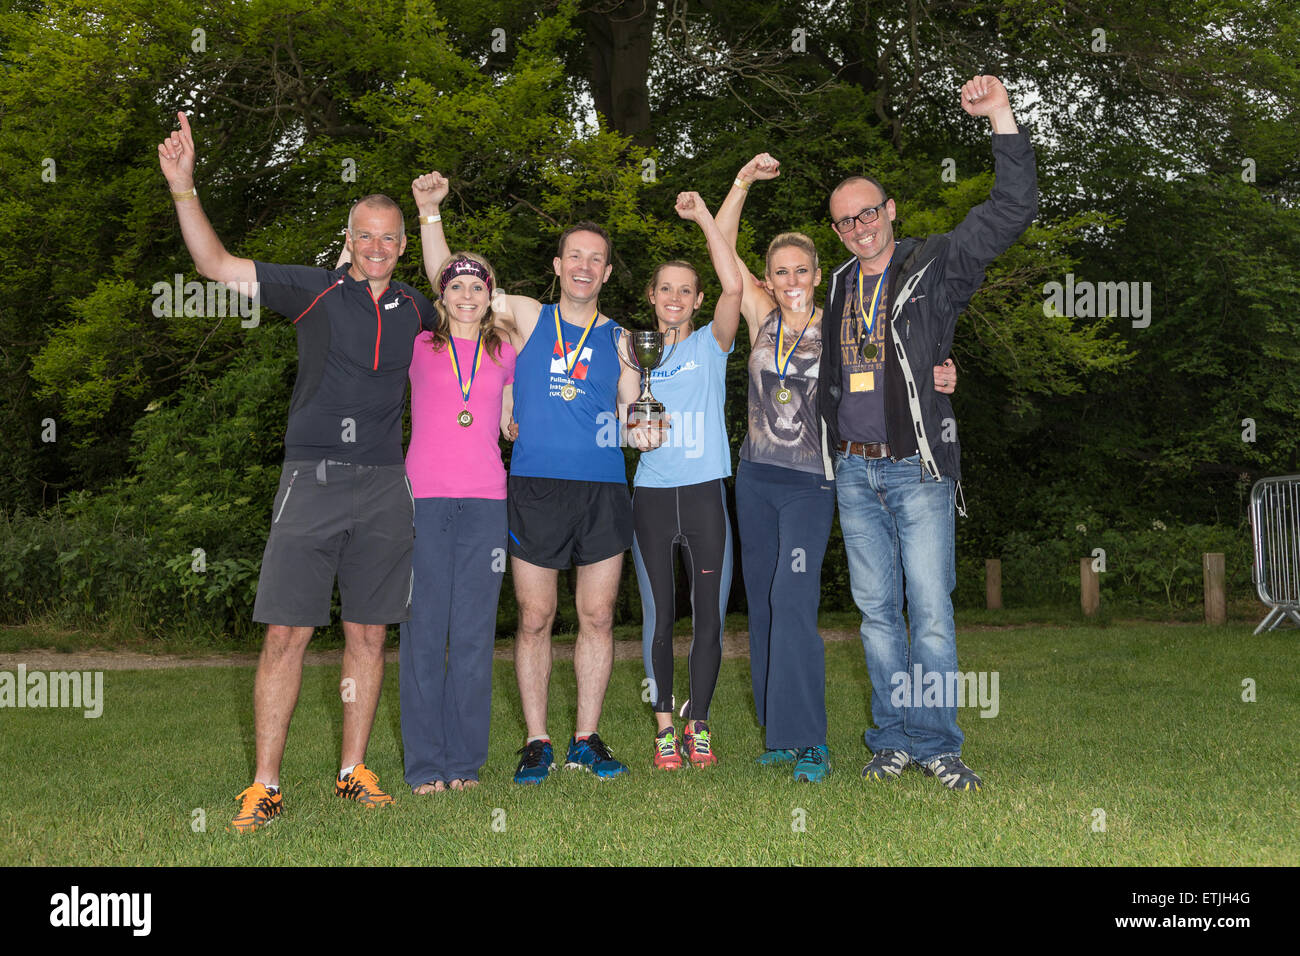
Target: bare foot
(463, 784)
(436, 786)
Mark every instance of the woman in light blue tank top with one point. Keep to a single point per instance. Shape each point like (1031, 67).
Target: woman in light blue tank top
(679, 504)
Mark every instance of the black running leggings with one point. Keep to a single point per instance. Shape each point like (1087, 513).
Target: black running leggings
(691, 520)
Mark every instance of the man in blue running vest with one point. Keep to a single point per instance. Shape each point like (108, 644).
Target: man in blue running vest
(567, 501)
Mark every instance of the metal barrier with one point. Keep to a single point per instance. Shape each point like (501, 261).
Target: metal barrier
(1275, 523)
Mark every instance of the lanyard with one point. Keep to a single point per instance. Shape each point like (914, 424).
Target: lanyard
(868, 319)
(781, 366)
(559, 338)
(455, 365)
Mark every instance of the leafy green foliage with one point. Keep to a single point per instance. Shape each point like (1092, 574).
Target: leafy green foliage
(1167, 154)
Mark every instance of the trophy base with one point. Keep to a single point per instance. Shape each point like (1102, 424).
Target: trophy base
(646, 415)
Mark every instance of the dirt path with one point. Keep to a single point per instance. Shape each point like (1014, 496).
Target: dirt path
(734, 644)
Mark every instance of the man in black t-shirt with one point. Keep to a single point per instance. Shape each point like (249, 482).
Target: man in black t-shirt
(343, 506)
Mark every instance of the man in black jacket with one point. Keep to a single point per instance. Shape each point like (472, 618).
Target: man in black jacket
(890, 317)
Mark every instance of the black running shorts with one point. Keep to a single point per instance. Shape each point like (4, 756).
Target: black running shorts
(558, 522)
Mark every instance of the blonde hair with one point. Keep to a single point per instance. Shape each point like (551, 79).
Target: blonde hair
(492, 338)
(796, 239)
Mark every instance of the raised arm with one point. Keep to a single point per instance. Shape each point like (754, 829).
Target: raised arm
(176, 156)
(755, 302)
(987, 96)
(993, 225)
(761, 167)
(726, 314)
(429, 191)
(515, 315)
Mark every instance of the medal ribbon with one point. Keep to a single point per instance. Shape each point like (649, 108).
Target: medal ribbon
(868, 319)
(781, 366)
(559, 338)
(455, 365)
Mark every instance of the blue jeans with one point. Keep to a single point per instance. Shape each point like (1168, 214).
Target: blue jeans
(899, 537)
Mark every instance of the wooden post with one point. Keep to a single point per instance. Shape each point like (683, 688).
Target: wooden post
(1216, 599)
(1089, 588)
(993, 583)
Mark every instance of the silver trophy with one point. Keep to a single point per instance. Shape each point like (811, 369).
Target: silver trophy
(647, 348)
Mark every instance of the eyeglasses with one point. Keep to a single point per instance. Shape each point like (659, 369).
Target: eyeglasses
(866, 217)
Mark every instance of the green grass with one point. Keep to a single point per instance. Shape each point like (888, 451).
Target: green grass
(1145, 722)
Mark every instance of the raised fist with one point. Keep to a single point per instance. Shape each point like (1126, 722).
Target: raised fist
(984, 95)
(430, 190)
(690, 206)
(762, 166)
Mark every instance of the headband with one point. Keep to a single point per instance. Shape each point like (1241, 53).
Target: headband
(460, 267)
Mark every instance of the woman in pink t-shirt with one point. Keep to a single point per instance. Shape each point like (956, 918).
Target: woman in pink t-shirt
(461, 377)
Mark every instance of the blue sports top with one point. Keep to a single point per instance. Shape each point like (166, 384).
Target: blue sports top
(693, 387)
(578, 439)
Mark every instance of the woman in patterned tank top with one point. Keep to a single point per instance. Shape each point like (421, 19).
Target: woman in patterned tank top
(785, 492)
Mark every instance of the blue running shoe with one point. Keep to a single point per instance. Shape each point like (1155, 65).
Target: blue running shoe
(592, 754)
(769, 758)
(812, 764)
(536, 762)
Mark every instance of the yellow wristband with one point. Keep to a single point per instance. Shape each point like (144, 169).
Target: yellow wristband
(430, 220)
(743, 185)
(190, 193)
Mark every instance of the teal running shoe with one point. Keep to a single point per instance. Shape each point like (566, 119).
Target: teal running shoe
(812, 765)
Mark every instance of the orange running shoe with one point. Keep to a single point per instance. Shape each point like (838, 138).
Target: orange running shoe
(697, 746)
(666, 756)
(258, 806)
(362, 785)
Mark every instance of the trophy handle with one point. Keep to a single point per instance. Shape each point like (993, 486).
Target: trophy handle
(676, 339)
(620, 338)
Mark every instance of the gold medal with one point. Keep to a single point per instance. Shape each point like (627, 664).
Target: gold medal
(570, 391)
(867, 316)
(783, 394)
(465, 419)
